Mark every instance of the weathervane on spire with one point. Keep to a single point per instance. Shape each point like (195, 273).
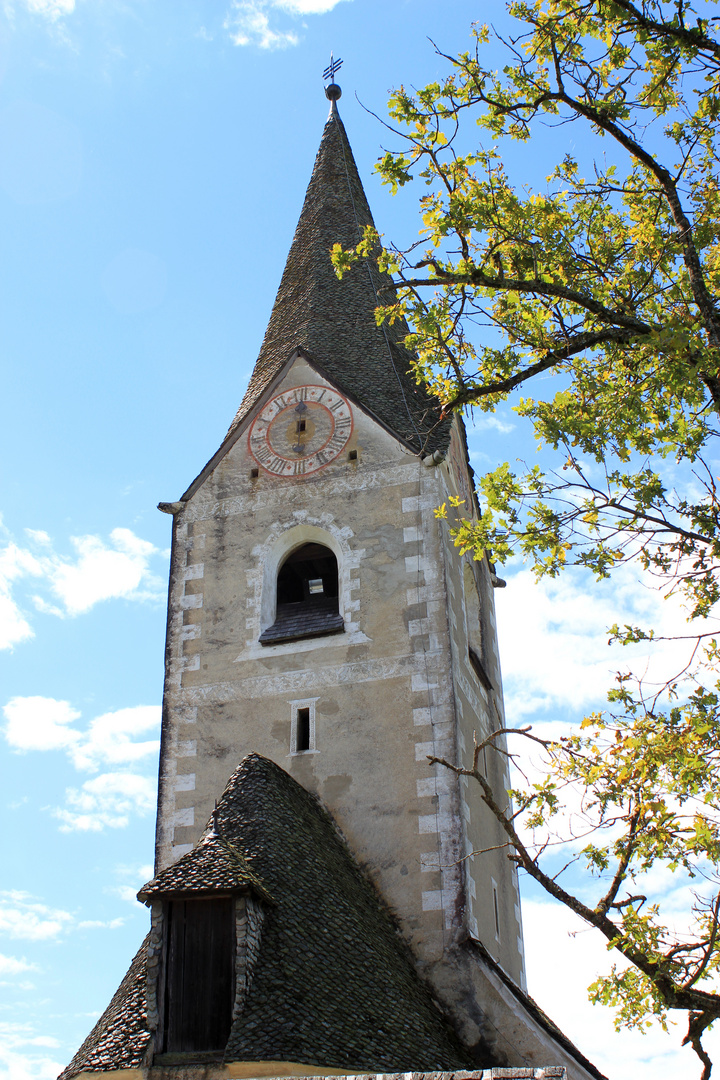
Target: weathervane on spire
(332, 90)
(333, 66)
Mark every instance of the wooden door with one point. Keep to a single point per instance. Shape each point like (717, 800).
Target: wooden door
(199, 975)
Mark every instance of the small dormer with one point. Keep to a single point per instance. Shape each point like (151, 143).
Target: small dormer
(207, 916)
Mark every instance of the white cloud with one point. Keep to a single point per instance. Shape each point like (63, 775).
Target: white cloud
(137, 875)
(106, 801)
(248, 24)
(101, 924)
(563, 957)
(19, 1064)
(491, 422)
(40, 723)
(99, 571)
(113, 739)
(50, 9)
(15, 563)
(39, 536)
(109, 739)
(553, 639)
(22, 916)
(14, 627)
(249, 21)
(306, 7)
(10, 965)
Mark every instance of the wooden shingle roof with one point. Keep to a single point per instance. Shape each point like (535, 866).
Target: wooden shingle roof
(333, 986)
(212, 865)
(333, 322)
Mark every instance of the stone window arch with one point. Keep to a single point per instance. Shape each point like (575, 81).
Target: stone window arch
(306, 588)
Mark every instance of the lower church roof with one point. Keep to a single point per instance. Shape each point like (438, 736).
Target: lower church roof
(333, 986)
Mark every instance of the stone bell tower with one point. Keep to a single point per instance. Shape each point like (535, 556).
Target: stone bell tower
(325, 639)
(336, 457)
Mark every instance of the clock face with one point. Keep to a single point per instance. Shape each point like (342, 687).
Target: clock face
(300, 431)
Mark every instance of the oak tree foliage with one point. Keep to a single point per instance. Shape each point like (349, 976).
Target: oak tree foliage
(597, 294)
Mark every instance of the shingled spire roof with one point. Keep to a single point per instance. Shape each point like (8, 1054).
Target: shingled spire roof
(332, 321)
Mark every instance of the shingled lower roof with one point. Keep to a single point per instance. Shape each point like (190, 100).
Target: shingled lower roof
(120, 1039)
(334, 985)
(333, 321)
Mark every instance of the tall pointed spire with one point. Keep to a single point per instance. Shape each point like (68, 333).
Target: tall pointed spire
(333, 321)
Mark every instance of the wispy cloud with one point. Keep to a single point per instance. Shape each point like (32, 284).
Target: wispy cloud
(556, 651)
(24, 917)
(19, 1057)
(99, 570)
(259, 22)
(563, 957)
(132, 877)
(101, 924)
(492, 422)
(11, 965)
(49, 9)
(107, 801)
(116, 739)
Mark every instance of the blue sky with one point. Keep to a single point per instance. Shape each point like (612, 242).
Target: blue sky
(154, 157)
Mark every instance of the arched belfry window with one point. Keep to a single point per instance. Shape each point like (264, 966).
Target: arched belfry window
(307, 596)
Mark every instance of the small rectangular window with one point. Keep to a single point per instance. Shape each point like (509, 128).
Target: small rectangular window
(302, 726)
(254, 473)
(352, 455)
(300, 426)
(302, 735)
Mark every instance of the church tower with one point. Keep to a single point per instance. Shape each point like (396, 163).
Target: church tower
(346, 907)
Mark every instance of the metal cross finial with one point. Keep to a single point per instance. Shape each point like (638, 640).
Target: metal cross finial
(332, 68)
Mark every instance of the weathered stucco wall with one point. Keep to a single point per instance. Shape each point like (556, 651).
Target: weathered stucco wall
(394, 688)
(492, 897)
(380, 693)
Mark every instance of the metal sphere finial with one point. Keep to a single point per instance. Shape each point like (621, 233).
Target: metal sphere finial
(333, 92)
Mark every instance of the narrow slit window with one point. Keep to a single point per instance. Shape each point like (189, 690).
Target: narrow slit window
(496, 910)
(300, 426)
(302, 735)
(302, 726)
